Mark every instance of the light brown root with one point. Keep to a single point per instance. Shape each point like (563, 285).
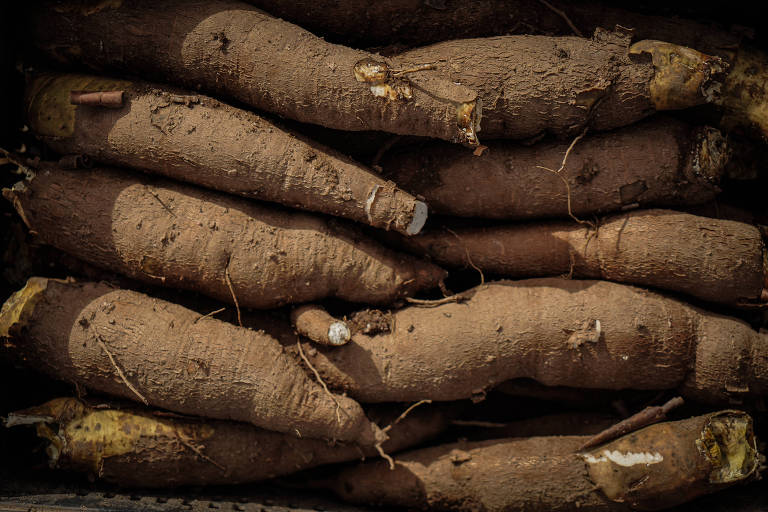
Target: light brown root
(404, 414)
(216, 312)
(764, 295)
(321, 381)
(198, 451)
(119, 371)
(232, 291)
(562, 15)
(384, 456)
(558, 173)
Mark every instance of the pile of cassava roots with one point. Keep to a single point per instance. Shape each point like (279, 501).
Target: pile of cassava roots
(438, 255)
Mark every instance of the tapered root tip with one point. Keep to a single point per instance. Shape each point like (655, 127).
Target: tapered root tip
(420, 214)
(338, 333)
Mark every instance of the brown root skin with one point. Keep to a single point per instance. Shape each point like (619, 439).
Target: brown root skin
(745, 93)
(564, 333)
(535, 85)
(194, 138)
(714, 260)
(314, 322)
(212, 46)
(660, 162)
(675, 461)
(178, 236)
(362, 24)
(137, 448)
(130, 345)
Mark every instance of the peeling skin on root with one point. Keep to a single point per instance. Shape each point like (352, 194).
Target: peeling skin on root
(393, 85)
(684, 77)
(468, 116)
(627, 459)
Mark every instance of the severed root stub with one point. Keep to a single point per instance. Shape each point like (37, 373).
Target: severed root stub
(313, 322)
(684, 77)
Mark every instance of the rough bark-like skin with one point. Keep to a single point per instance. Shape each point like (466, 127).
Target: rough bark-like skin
(174, 235)
(139, 449)
(175, 358)
(231, 49)
(531, 86)
(544, 474)
(714, 260)
(197, 139)
(587, 334)
(364, 23)
(657, 163)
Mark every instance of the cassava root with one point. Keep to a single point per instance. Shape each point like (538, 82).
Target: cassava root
(139, 448)
(714, 260)
(195, 138)
(176, 358)
(652, 469)
(660, 162)
(559, 332)
(174, 235)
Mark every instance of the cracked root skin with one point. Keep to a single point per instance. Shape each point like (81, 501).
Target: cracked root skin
(231, 49)
(136, 448)
(183, 237)
(586, 334)
(197, 139)
(545, 474)
(535, 85)
(176, 358)
(715, 260)
(660, 162)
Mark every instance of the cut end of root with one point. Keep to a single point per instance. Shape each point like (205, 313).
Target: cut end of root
(710, 156)
(420, 214)
(338, 334)
(684, 77)
(19, 306)
(468, 117)
(728, 442)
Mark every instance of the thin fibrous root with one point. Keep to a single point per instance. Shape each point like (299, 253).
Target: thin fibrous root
(232, 291)
(119, 371)
(384, 456)
(404, 414)
(558, 173)
(321, 381)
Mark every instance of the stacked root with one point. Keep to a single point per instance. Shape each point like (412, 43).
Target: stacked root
(181, 203)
